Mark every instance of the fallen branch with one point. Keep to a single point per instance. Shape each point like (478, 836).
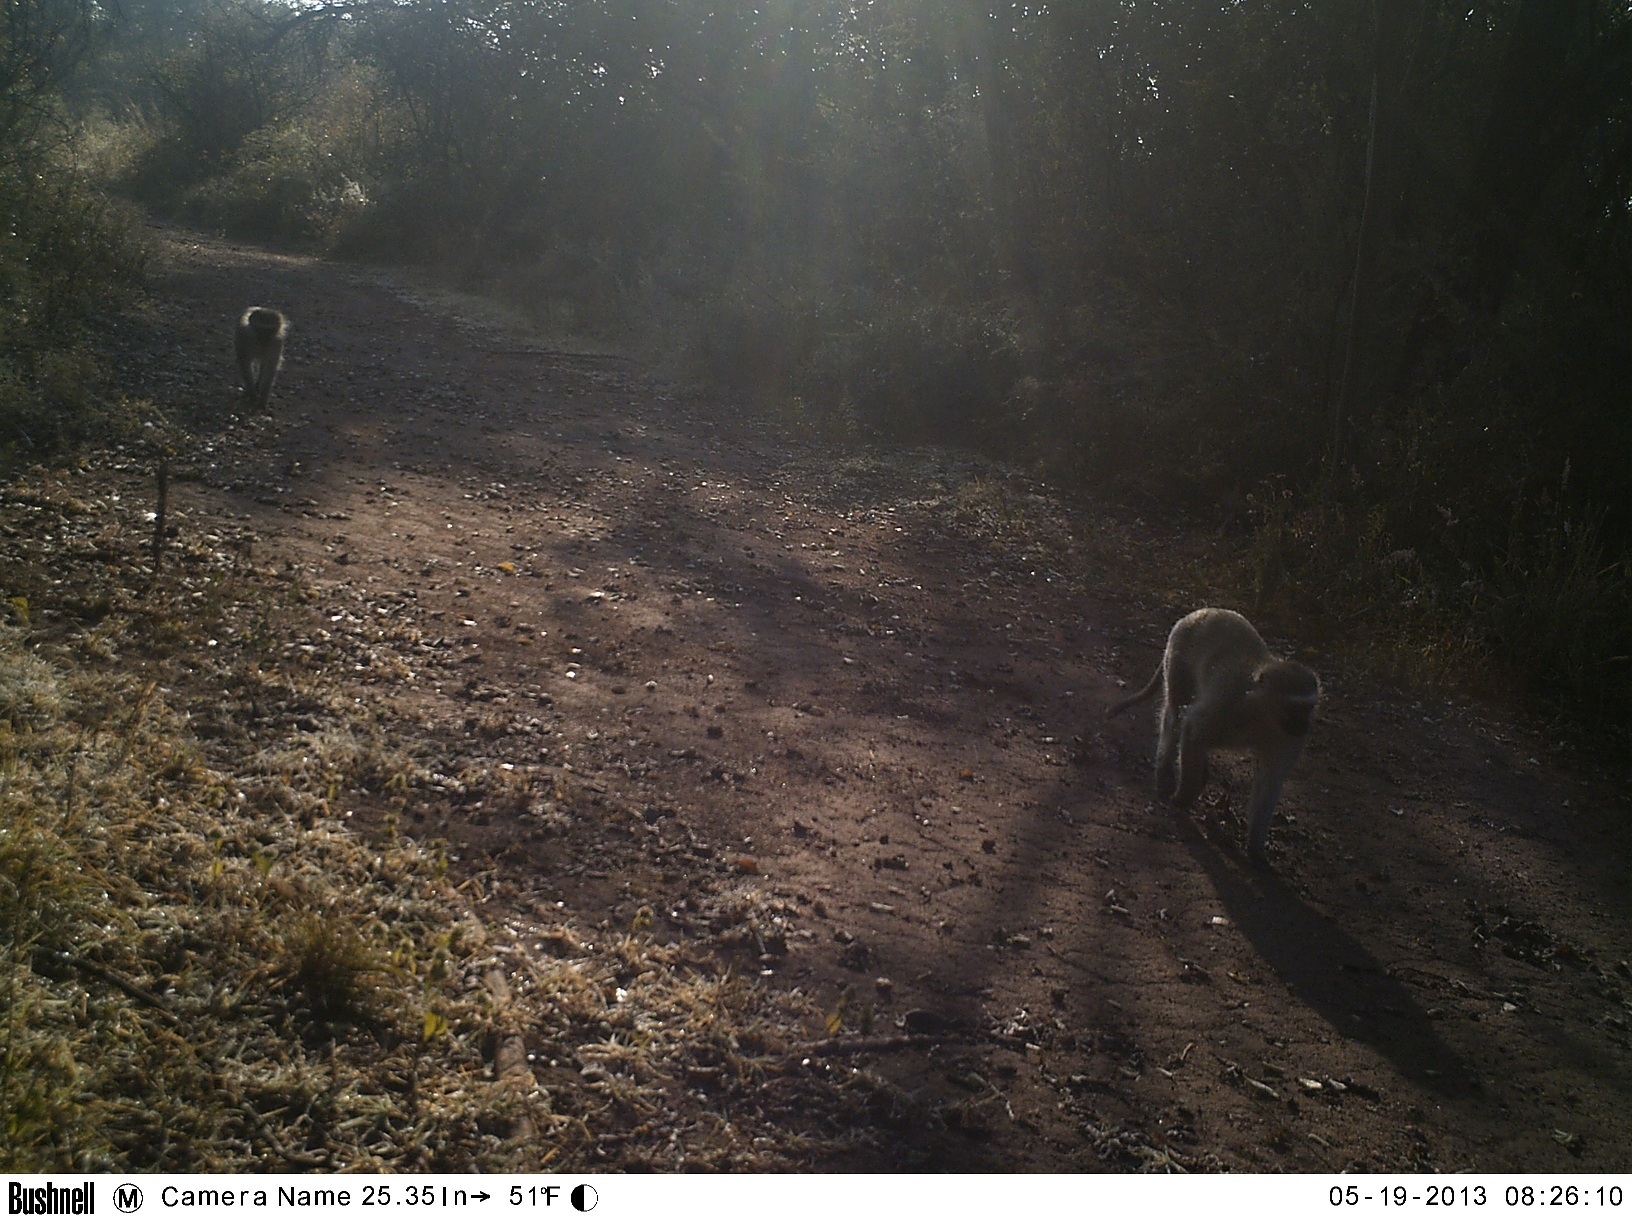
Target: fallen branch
(111, 976)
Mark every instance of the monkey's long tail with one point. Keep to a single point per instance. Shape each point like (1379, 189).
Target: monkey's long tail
(1148, 691)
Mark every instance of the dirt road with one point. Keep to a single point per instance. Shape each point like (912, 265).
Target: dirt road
(840, 716)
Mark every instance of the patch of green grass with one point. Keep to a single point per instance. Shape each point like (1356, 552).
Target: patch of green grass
(330, 968)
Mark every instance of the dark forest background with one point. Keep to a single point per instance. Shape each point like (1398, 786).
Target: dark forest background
(1348, 282)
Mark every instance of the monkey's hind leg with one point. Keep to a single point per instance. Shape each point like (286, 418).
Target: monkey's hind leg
(1178, 690)
(267, 376)
(1167, 751)
(1193, 745)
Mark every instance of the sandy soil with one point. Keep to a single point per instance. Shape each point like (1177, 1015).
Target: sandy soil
(659, 668)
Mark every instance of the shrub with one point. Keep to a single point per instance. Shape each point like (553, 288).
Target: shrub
(286, 184)
(64, 262)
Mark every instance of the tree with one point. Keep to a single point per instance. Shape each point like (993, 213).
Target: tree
(40, 43)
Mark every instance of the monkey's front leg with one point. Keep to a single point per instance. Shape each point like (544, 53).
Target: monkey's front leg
(1273, 767)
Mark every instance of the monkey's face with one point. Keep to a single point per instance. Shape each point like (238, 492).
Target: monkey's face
(266, 324)
(1294, 691)
(1296, 715)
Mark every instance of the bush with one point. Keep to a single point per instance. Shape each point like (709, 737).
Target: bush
(903, 370)
(286, 184)
(64, 262)
(1539, 602)
(251, 124)
(1560, 610)
(921, 372)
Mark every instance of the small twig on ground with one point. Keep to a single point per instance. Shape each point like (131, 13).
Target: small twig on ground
(158, 517)
(111, 976)
(859, 1045)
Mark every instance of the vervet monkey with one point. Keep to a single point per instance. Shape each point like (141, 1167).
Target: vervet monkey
(1222, 688)
(259, 341)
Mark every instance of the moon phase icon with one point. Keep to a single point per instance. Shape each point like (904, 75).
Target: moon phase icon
(584, 1197)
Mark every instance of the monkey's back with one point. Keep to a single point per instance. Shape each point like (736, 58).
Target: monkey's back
(1216, 641)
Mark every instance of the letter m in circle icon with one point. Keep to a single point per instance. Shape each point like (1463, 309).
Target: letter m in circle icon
(127, 1197)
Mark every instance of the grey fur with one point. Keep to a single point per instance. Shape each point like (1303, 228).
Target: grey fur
(1223, 688)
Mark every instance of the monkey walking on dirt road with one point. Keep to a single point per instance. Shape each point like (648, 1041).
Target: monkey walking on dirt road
(1223, 688)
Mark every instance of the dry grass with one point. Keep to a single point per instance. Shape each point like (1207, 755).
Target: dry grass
(203, 969)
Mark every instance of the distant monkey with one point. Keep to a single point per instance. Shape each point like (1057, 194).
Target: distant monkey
(1222, 688)
(260, 337)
